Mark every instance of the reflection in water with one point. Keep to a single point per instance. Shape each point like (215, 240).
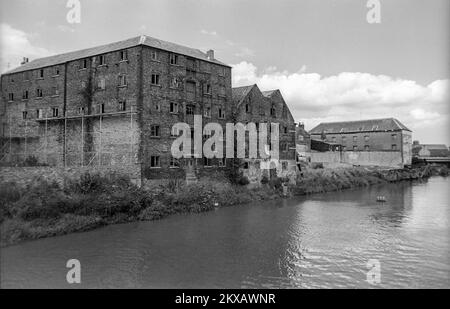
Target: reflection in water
(318, 241)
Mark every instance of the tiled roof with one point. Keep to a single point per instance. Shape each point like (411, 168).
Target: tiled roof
(90, 52)
(375, 125)
(239, 93)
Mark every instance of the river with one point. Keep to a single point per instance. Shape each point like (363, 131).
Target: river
(320, 241)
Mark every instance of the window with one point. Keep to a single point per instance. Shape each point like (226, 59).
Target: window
(174, 163)
(83, 84)
(57, 71)
(174, 132)
(355, 148)
(207, 162)
(101, 85)
(190, 109)
(344, 148)
(10, 96)
(220, 71)
(207, 112)
(355, 139)
(173, 108)
(222, 91)
(122, 105)
(123, 55)
(247, 108)
(394, 147)
(157, 106)
(11, 79)
(25, 95)
(39, 93)
(284, 165)
(221, 113)
(366, 148)
(122, 80)
(54, 112)
(246, 165)
(101, 60)
(154, 161)
(154, 131)
(273, 111)
(286, 130)
(26, 75)
(173, 59)
(344, 139)
(207, 89)
(174, 82)
(55, 91)
(394, 136)
(81, 110)
(366, 138)
(155, 79)
(83, 64)
(39, 114)
(286, 147)
(190, 64)
(333, 139)
(24, 114)
(41, 73)
(190, 90)
(102, 108)
(154, 55)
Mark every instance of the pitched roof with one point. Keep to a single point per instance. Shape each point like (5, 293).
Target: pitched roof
(375, 125)
(239, 93)
(90, 52)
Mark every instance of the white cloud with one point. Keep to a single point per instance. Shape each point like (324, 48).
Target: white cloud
(353, 95)
(16, 44)
(206, 32)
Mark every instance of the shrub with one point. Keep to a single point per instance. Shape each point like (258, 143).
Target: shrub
(243, 181)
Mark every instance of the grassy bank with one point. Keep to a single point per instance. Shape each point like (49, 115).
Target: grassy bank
(47, 209)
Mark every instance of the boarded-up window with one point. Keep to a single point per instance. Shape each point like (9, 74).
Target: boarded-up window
(190, 91)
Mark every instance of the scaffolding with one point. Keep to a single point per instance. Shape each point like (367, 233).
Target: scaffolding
(76, 145)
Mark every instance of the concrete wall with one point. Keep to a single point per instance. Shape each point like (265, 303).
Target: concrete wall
(363, 158)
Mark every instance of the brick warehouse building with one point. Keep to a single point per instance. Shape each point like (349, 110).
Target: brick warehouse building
(252, 105)
(369, 136)
(114, 105)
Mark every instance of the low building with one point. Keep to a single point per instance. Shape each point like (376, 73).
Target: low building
(382, 142)
(302, 143)
(430, 150)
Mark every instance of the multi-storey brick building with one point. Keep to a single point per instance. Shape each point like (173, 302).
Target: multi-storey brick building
(252, 105)
(115, 105)
(111, 105)
(375, 135)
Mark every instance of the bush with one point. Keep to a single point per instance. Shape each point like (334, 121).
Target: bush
(243, 181)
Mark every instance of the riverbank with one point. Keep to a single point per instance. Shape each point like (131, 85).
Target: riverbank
(47, 209)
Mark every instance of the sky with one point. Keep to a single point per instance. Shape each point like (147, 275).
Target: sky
(324, 56)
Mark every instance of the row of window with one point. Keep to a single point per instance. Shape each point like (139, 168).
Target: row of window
(367, 148)
(155, 162)
(273, 111)
(355, 138)
(39, 113)
(174, 108)
(38, 94)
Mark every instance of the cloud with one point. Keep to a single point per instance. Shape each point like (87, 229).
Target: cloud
(245, 52)
(16, 44)
(353, 95)
(206, 32)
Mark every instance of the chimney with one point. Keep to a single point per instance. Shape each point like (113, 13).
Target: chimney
(416, 143)
(301, 125)
(210, 54)
(24, 60)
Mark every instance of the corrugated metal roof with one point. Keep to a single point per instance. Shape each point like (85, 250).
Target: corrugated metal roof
(90, 52)
(375, 125)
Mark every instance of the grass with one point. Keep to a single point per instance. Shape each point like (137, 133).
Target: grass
(48, 209)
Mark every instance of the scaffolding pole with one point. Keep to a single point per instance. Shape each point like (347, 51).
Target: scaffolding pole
(82, 141)
(46, 142)
(100, 144)
(26, 127)
(131, 137)
(65, 139)
(10, 136)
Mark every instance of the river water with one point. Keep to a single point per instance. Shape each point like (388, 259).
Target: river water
(321, 241)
